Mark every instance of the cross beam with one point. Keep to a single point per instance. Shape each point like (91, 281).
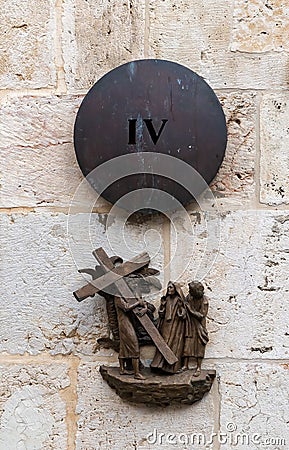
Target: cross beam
(111, 276)
(125, 292)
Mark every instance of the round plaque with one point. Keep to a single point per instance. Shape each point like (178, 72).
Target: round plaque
(154, 106)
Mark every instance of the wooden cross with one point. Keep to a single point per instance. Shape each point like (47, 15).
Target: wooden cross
(115, 276)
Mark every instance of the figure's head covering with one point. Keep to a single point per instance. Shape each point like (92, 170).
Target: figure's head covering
(198, 288)
(178, 290)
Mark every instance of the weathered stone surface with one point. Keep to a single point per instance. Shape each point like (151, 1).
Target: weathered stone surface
(31, 409)
(260, 26)
(99, 37)
(44, 177)
(254, 410)
(225, 69)
(36, 136)
(182, 31)
(162, 390)
(274, 141)
(39, 275)
(26, 45)
(33, 121)
(198, 35)
(107, 422)
(235, 179)
(242, 258)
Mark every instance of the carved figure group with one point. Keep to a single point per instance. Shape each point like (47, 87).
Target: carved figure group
(178, 333)
(181, 323)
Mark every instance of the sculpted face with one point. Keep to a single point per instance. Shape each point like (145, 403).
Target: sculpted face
(171, 289)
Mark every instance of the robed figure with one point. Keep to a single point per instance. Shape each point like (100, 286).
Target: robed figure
(196, 335)
(129, 346)
(171, 325)
(127, 332)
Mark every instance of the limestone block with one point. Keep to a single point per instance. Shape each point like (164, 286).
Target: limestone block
(99, 37)
(199, 34)
(260, 26)
(36, 137)
(254, 410)
(235, 179)
(27, 44)
(33, 121)
(274, 140)
(182, 31)
(242, 259)
(39, 179)
(107, 422)
(40, 262)
(31, 408)
(226, 69)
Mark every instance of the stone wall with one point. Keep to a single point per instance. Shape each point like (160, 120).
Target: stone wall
(51, 394)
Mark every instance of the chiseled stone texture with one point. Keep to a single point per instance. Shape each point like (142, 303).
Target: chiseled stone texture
(274, 141)
(32, 413)
(108, 423)
(235, 178)
(36, 137)
(242, 258)
(260, 26)
(40, 263)
(198, 35)
(33, 121)
(27, 44)
(223, 68)
(254, 405)
(99, 36)
(182, 31)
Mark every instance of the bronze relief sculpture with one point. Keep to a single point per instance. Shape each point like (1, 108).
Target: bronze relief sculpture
(196, 334)
(129, 346)
(171, 325)
(178, 332)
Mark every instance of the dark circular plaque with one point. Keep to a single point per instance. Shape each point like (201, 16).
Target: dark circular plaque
(151, 106)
